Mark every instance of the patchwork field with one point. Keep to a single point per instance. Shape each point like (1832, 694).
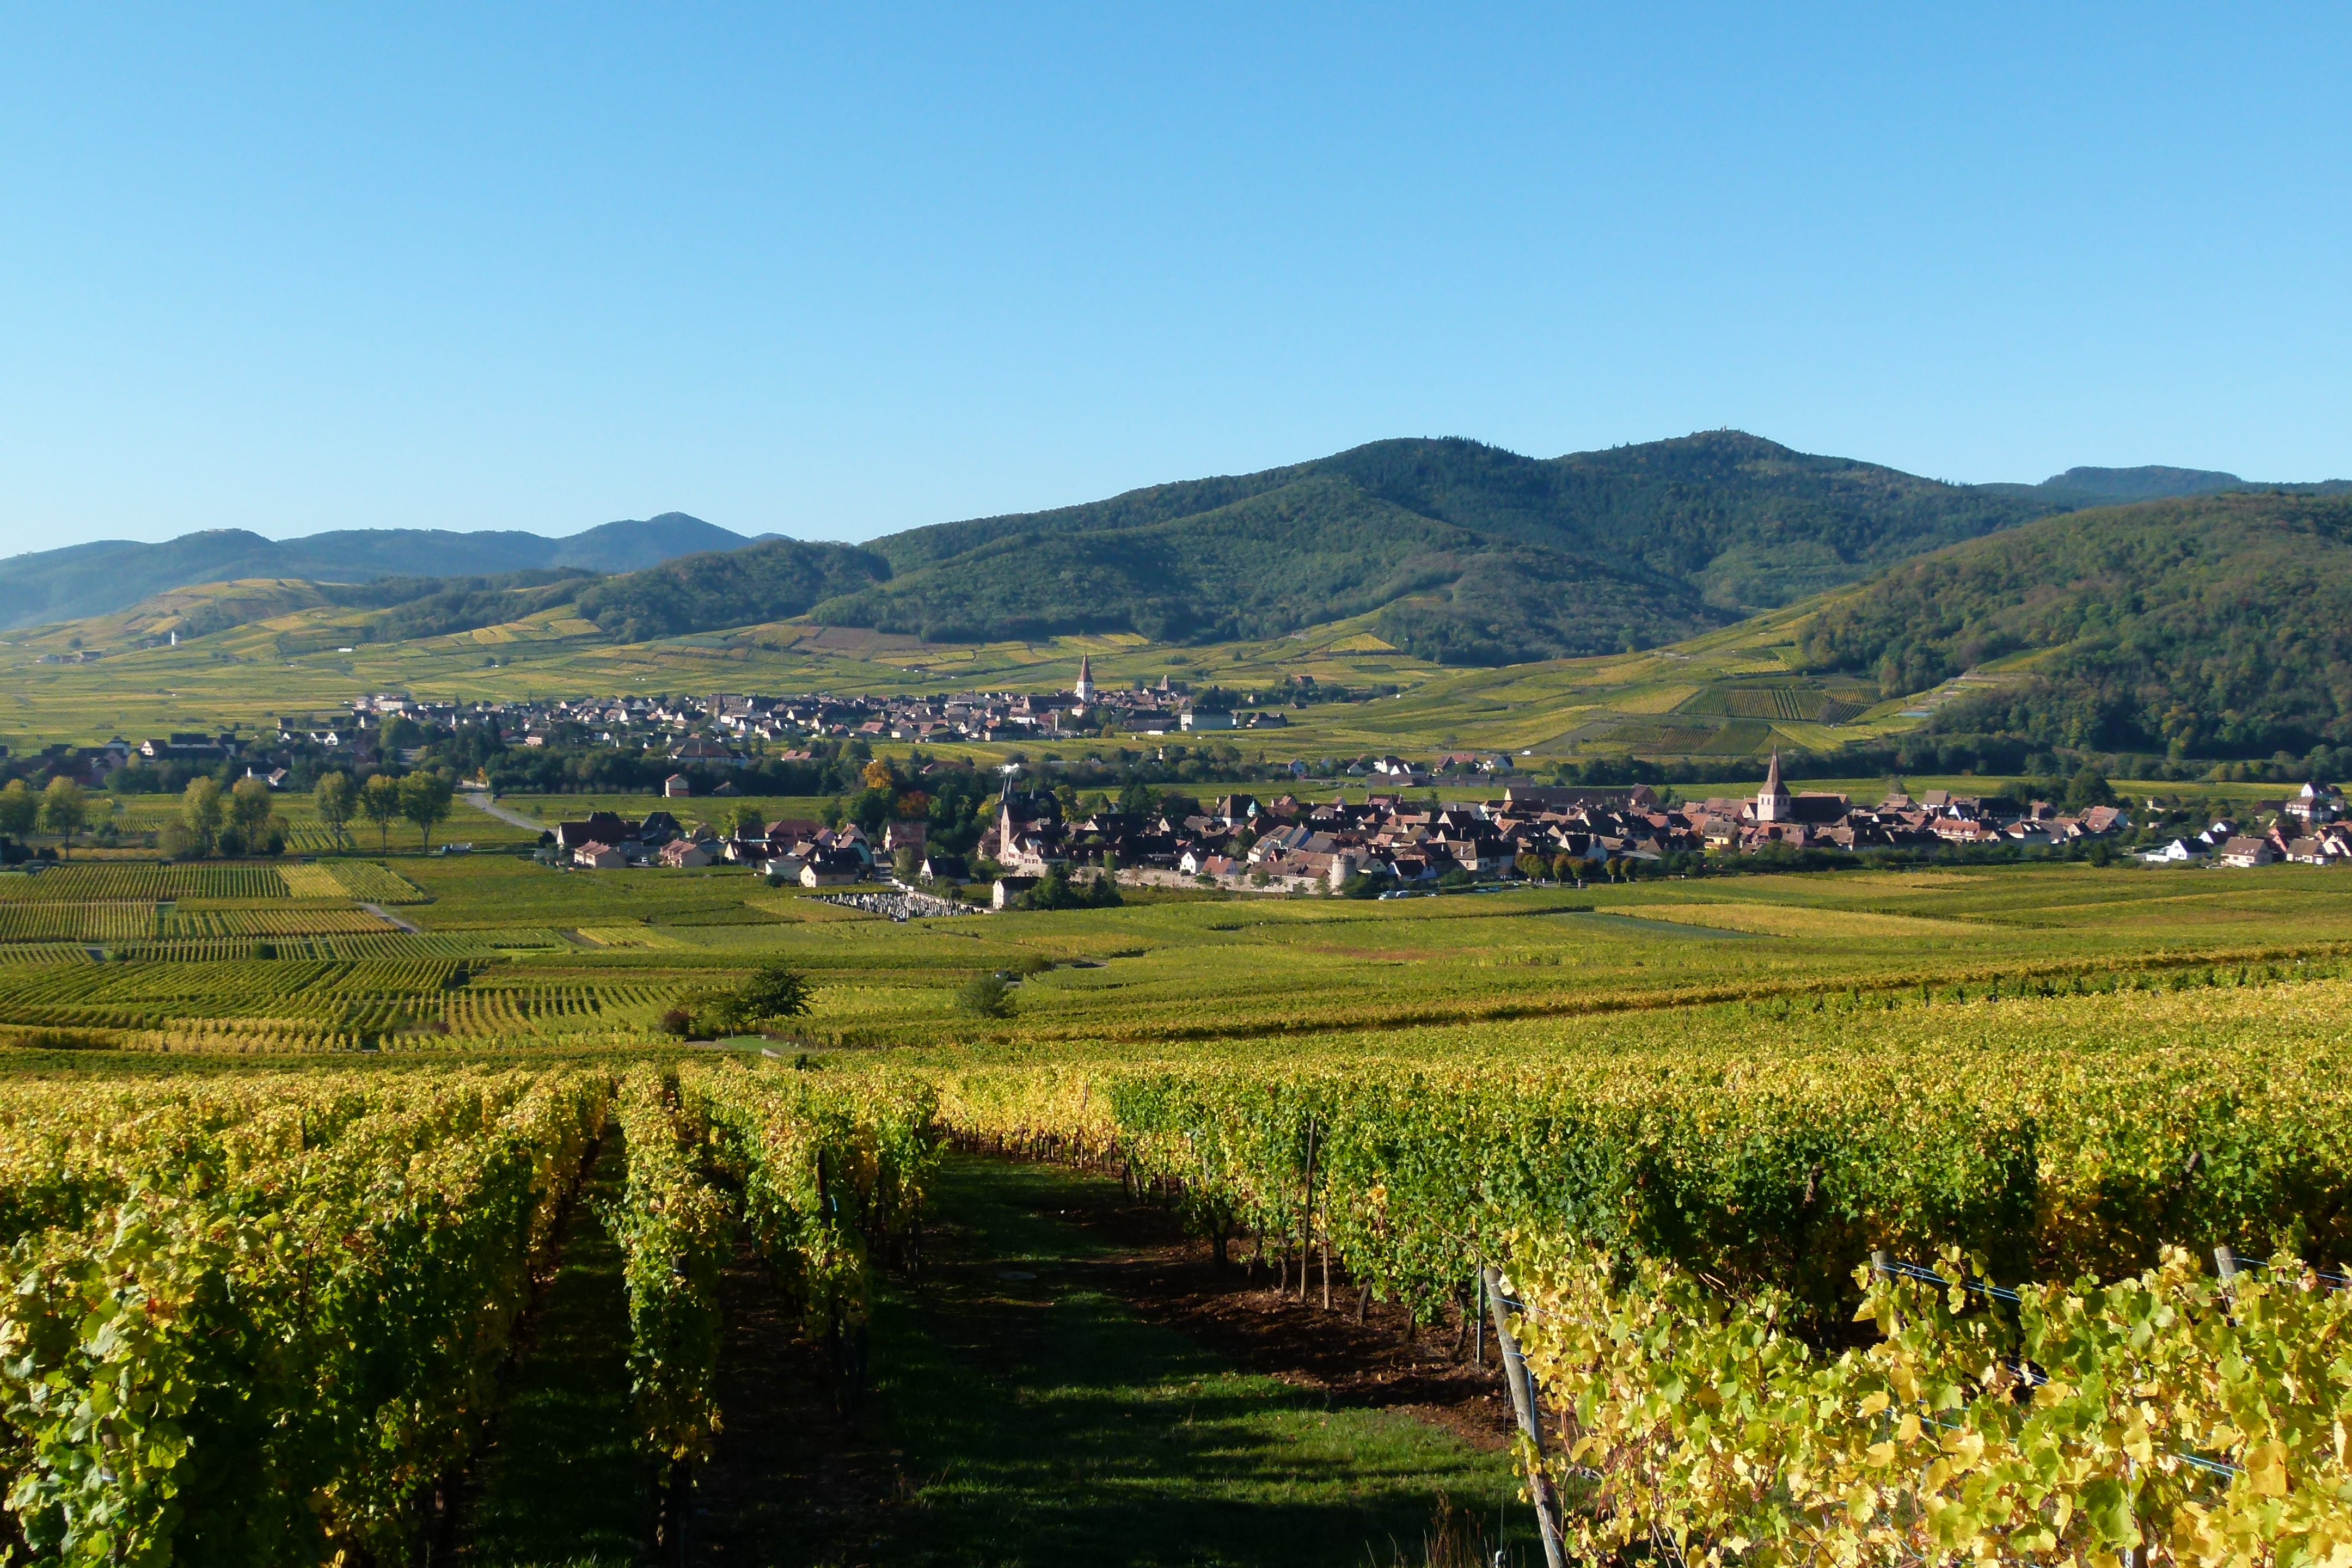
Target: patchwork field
(519, 953)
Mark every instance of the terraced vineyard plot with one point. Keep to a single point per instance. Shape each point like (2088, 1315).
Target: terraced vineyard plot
(500, 1007)
(184, 922)
(309, 881)
(379, 941)
(120, 881)
(375, 884)
(25, 921)
(43, 953)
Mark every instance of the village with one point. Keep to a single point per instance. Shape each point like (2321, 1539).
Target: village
(1402, 837)
(1388, 841)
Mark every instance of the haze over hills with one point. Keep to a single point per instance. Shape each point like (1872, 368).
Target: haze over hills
(109, 575)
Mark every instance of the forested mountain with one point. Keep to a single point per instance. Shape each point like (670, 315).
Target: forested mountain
(1474, 554)
(765, 582)
(1469, 553)
(2078, 487)
(113, 575)
(2219, 626)
(1463, 554)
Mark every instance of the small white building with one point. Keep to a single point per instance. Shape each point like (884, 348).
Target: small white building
(676, 786)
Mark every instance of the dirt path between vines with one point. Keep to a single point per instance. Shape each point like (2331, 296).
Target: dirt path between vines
(1066, 1381)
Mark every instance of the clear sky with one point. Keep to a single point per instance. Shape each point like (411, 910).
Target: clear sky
(834, 272)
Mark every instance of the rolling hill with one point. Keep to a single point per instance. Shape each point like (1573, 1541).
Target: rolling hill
(112, 576)
(1466, 553)
(1446, 551)
(2215, 625)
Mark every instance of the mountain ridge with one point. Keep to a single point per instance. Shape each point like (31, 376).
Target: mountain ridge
(1464, 553)
(104, 576)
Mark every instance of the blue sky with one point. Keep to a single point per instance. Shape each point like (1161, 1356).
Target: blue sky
(838, 272)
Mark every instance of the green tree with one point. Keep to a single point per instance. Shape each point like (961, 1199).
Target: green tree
(251, 813)
(425, 799)
(201, 813)
(772, 995)
(2088, 788)
(333, 799)
(985, 997)
(64, 808)
(380, 803)
(747, 821)
(768, 996)
(20, 809)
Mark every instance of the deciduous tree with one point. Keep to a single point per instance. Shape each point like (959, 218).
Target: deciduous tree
(380, 803)
(64, 808)
(334, 800)
(425, 800)
(201, 813)
(251, 811)
(20, 809)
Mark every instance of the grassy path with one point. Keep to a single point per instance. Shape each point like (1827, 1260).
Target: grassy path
(561, 1483)
(1031, 1418)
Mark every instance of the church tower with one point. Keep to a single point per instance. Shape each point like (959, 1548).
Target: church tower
(1084, 690)
(1007, 828)
(1772, 803)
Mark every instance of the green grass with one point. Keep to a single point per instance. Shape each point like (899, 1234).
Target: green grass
(563, 1484)
(1041, 1423)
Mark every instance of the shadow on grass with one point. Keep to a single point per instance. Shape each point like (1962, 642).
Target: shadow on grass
(1037, 1421)
(563, 1483)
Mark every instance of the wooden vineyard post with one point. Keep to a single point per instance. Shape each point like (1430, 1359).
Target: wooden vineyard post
(1523, 1405)
(1306, 1213)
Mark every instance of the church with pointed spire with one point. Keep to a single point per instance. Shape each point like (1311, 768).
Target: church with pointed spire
(1772, 802)
(1084, 690)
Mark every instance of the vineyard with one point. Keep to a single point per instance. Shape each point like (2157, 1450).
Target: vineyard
(1698, 1215)
(258, 1320)
(1868, 1218)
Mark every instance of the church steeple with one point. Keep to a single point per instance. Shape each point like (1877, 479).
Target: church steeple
(1772, 801)
(1084, 690)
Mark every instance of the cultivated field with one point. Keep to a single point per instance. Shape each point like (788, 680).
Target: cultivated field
(1692, 1109)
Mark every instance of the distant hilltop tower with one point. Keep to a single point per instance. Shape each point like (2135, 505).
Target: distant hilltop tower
(1772, 803)
(1084, 690)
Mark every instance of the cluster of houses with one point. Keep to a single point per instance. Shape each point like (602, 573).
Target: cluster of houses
(1530, 831)
(1552, 833)
(806, 853)
(716, 729)
(2309, 830)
